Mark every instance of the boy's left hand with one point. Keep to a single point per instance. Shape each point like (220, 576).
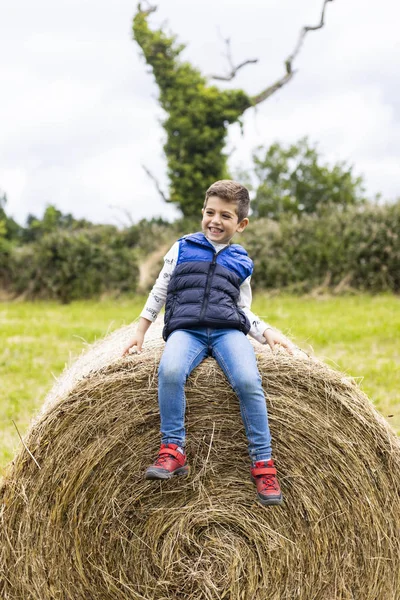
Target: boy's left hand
(274, 338)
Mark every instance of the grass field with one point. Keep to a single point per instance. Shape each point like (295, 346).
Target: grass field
(358, 335)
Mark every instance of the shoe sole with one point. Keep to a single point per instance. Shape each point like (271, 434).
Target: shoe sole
(278, 501)
(153, 473)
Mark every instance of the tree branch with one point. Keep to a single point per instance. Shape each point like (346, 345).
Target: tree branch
(234, 69)
(127, 214)
(288, 62)
(155, 180)
(303, 34)
(147, 11)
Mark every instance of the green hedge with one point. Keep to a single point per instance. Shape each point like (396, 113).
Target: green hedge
(359, 245)
(68, 265)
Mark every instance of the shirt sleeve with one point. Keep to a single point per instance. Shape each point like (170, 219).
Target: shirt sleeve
(158, 294)
(257, 325)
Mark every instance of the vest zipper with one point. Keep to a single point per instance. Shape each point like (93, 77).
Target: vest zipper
(210, 275)
(171, 312)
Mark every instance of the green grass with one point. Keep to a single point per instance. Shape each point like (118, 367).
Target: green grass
(358, 335)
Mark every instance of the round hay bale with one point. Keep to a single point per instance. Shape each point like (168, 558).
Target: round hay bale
(79, 522)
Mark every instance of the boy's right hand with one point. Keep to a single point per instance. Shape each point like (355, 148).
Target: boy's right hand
(138, 338)
(137, 341)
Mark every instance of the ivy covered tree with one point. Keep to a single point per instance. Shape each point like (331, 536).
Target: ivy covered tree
(198, 113)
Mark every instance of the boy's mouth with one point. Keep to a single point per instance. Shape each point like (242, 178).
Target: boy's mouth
(215, 230)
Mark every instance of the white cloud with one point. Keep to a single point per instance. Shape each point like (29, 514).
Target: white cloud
(78, 110)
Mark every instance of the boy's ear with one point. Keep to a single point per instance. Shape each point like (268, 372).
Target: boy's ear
(242, 225)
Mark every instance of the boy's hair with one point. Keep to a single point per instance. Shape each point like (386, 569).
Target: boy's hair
(231, 191)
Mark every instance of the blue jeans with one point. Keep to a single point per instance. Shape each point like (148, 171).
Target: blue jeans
(184, 350)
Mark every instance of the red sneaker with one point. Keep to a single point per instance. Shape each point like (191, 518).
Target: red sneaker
(171, 461)
(264, 476)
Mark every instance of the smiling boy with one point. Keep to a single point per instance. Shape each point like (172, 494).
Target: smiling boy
(205, 285)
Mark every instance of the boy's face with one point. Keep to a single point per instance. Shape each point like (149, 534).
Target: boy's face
(220, 220)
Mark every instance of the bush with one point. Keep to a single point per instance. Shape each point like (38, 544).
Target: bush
(360, 244)
(67, 266)
(149, 234)
(5, 252)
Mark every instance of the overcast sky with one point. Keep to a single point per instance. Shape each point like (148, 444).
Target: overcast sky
(78, 105)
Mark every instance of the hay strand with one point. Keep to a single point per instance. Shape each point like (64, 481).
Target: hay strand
(25, 446)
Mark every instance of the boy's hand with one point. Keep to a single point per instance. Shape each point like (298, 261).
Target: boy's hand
(138, 338)
(137, 341)
(274, 338)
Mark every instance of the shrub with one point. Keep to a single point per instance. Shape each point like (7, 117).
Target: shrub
(359, 243)
(70, 265)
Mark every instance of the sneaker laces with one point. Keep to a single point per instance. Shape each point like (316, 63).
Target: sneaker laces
(269, 482)
(160, 460)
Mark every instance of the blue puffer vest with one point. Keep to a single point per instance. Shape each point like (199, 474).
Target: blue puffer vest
(205, 286)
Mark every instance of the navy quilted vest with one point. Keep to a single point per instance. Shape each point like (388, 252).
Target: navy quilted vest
(205, 286)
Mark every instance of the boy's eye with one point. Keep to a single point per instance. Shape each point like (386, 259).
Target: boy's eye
(210, 213)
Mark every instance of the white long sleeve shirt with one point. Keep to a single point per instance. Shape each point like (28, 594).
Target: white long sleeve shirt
(158, 294)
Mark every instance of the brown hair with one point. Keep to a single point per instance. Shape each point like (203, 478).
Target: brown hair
(231, 191)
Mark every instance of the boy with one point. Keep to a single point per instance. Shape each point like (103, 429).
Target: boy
(205, 284)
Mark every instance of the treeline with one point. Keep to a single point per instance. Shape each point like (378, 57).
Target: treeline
(339, 249)
(63, 258)
(311, 226)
